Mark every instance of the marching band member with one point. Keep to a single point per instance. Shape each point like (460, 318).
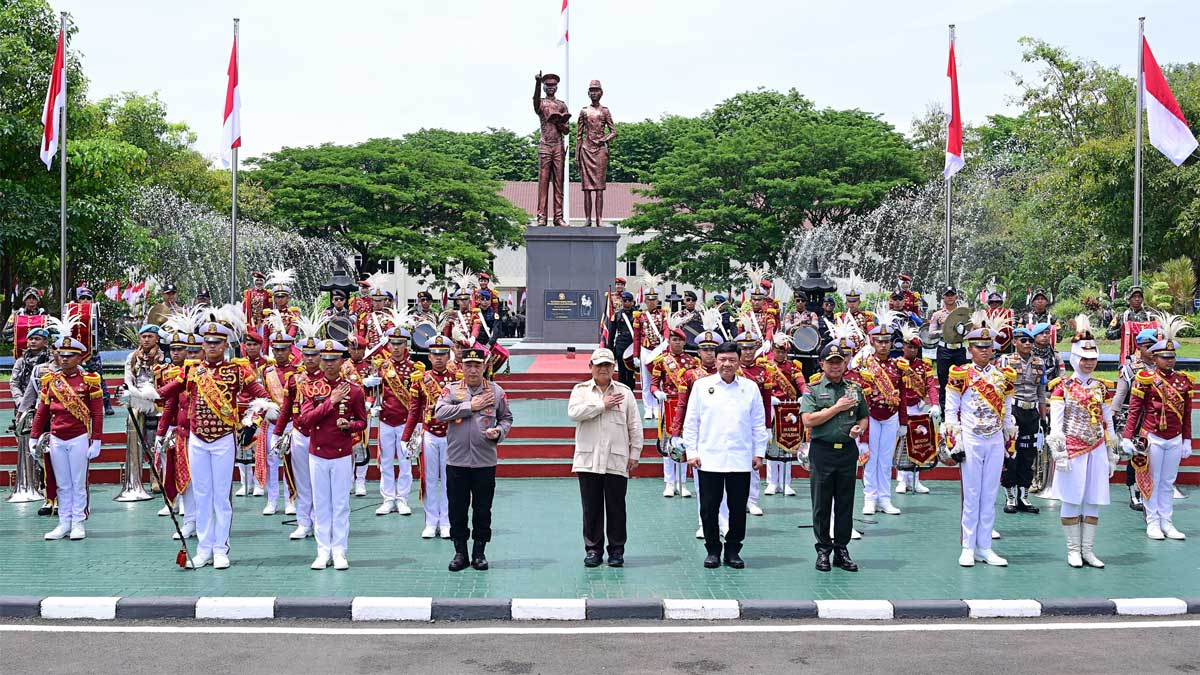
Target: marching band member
(864, 319)
(252, 348)
(173, 423)
(754, 369)
(29, 307)
(427, 387)
(666, 380)
(949, 354)
(295, 462)
(71, 412)
(394, 376)
(276, 377)
(256, 300)
(357, 369)
(1029, 409)
(281, 282)
(920, 397)
(1134, 363)
(335, 410)
(141, 366)
(373, 325)
(787, 380)
(979, 426)
(1159, 415)
(1084, 446)
(649, 331)
(620, 338)
(886, 391)
(762, 320)
(911, 299)
(213, 386)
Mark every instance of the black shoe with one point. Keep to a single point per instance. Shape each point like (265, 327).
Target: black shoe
(593, 559)
(1025, 507)
(735, 561)
(616, 560)
(841, 558)
(823, 561)
(1135, 500)
(108, 411)
(478, 559)
(44, 510)
(712, 561)
(459, 563)
(1009, 507)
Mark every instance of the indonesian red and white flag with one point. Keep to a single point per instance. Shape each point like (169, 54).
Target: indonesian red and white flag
(56, 100)
(113, 292)
(1169, 130)
(954, 130)
(563, 30)
(231, 132)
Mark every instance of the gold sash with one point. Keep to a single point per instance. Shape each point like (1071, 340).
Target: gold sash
(396, 385)
(221, 406)
(988, 392)
(70, 400)
(882, 383)
(1171, 399)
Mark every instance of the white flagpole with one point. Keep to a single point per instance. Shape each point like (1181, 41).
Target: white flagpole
(233, 216)
(62, 169)
(949, 189)
(1137, 157)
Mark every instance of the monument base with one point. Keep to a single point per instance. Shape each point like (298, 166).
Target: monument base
(568, 272)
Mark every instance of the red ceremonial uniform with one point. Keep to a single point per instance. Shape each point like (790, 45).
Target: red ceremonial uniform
(255, 302)
(319, 413)
(757, 373)
(887, 387)
(689, 378)
(645, 324)
(864, 319)
(427, 388)
(395, 390)
(469, 324)
(920, 383)
(289, 411)
(69, 406)
(369, 326)
(765, 324)
(666, 375)
(1163, 400)
(214, 390)
(787, 379)
(174, 414)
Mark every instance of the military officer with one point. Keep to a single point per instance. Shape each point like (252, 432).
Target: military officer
(649, 331)
(949, 354)
(1136, 312)
(620, 337)
(1030, 407)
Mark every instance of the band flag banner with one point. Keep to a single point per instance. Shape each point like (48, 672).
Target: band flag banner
(789, 430)
(56, 101)
(921, 440)
(1169, 130)
(954, 128)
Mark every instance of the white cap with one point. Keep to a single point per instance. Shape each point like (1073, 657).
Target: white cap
(602, 355)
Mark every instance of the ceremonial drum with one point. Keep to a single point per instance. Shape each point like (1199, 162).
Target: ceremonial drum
(340, 328)
(789, 433)
(21, 326)
(806, 339)
(361, 456)
(929, 339)
(423, 334)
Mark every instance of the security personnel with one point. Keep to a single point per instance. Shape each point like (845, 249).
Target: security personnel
(836, 414)
(1039, 311)
(1136, 312)
(1030, 407)
(620, 336)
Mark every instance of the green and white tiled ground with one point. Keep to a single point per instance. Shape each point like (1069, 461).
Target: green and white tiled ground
(537, 552)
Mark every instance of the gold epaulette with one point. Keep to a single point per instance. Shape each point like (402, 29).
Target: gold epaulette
(91, 378)
(796, 364)
(1110, 385)
(241, 361)
(416, 376)
(419, 366)
(903, 364)
(458, 375)
(637, 314)
(928, 362)
(1145, 377)
(916, 295)
(1053, 383)
(815, 378)
(1010, 374)
(958, 372)
(1190, 379)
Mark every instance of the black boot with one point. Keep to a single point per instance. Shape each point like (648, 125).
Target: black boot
(1023, 504)
(841, 558)
(459, 562)
(478, 559)
(823, 561)
(45, 509)
(1010, 504)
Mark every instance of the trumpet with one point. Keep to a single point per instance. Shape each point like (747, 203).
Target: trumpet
(413, 446)
(282, 446)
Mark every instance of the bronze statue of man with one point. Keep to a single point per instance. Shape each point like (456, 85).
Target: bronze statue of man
(555, 123)
(595, 130)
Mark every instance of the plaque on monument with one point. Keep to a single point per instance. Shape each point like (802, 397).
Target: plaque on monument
(566, 305)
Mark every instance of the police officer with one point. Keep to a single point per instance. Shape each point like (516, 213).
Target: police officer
(836, 414)
(1030, 407)
(620, 337)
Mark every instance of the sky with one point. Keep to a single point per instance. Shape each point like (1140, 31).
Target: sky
(315, 71)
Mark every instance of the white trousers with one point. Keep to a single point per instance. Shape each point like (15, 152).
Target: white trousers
(980, 483)
(755, 486)
(673, 470)
(1165, 456)
(189, 505)
(331, 479)
(70, 462)
(392, 453)
(433, 457)
(211, 465)
(648, 399)
(909, 478)
(273, 481)
(877, 474)
(778, 474)
(300, 472)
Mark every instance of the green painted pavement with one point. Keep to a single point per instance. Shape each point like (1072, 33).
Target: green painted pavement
(537, 552)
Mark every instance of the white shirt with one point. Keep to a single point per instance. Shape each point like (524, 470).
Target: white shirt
(971, 413)
(725, 425)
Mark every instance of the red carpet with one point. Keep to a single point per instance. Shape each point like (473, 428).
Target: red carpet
(560, 364)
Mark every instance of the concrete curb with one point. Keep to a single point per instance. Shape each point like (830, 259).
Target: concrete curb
(366, 608)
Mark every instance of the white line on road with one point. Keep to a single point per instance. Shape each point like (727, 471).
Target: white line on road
(608, 630)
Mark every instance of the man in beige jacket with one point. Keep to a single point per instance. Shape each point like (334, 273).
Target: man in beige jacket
(608, 443)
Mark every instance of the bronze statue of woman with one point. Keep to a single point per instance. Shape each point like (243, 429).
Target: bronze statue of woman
(595, 130)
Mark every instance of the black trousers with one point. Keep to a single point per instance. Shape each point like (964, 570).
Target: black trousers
(470, 488)
(624, 374)
(603, 498)
(1018, 469)
(945, 359)
(735, 488)
(832, 484)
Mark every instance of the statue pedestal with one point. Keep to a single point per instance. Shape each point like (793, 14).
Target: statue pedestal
(568, 271)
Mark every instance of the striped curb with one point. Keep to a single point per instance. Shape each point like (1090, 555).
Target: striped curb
(368, 608)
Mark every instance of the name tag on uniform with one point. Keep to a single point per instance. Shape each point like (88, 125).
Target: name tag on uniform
(824, 396)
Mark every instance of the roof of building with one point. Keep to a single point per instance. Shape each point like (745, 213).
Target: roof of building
(619, 198)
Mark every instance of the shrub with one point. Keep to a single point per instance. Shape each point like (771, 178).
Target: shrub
(1067, 310)
(1178, 279)
(1070, 286)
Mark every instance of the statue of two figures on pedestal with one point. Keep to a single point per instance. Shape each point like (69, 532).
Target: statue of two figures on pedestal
(595, 129)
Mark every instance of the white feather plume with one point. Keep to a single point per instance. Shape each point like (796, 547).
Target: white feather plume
(710, 319)
(1170, 325)
(749, 323)
(756, 276)
(311, 324)
(676, 320)
(141, 398)
(463, 280)
(65, 326)
(650, 281)
(263, 406)
(908, 332)
(1083, 328)
(399, 317)
(274, 322)
(845, 327)
(183, 320)
(885, 316)
(279, 277)
(233, 316)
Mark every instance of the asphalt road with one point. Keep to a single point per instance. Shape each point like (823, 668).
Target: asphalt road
(470, 648)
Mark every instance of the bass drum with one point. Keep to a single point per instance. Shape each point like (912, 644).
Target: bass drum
(806, 339)
(692, 330)
(340, 328)
(423, 334)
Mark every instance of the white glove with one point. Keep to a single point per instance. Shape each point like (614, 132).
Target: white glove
(935, 412)
(1112, 462)
(371, 381)
(1009, 434)
(902, 431)
(775, 400)
(637, 363)
(678, 440)
(158, 442)
(374, 411)
(660, 395)
(94, 449)
(1128, 446)
(863, 448)
(44, 438)
(1056, 443)
(1111, 443)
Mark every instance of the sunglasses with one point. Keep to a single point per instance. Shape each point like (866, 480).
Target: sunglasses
(1024, 340)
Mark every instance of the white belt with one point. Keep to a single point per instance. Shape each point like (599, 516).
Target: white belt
(1026, 405)
(950, 345)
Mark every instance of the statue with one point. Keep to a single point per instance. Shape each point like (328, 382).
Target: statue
(555, 123)
(591, 151)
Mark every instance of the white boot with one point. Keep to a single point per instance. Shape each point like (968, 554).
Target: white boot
(787, 490)
(855, 534)
(58, 533)
(770, 489)
(77, 532)
(269, 509)
(966, 558)
(754, 509)
(901, 485)
(700, 532)
(429, 532)
(668, 490)
(995, 534)
(241, 490)
(258, 490)
(385, 508)
(889, 509)
(684, 492)
(649, 414)
(918, 486)
(1154, 531)
(360, 488)
(1086, 542)
(320, 562)
(1168, 529)
(989, 556)
(290, 508)
(444, 531)
(188, 530)
(868, 507)
(403, 508)
(340, 562)
(1073, 533)
(301, 532)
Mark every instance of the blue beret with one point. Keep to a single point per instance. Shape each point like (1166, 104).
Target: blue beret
(1038, 328)
(627, 295)
(1022, 331)
(486, 295)
(1147, 335)
(38, 332)
(149, 328)
(718, 298)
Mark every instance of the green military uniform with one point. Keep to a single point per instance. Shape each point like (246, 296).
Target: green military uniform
(833, 456)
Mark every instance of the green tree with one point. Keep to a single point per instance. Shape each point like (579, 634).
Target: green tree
(385, 198)
(500, 153)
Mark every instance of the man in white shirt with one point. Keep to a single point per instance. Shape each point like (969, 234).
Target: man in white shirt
(725, 434)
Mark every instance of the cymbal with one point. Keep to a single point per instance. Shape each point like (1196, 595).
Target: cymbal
(957, 325)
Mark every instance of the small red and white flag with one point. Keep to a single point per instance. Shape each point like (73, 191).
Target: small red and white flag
(113, 291)
(56, 100)
(563, 31)
(134, 294)
(1169, 130)
(231, 132)
(954, 130)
